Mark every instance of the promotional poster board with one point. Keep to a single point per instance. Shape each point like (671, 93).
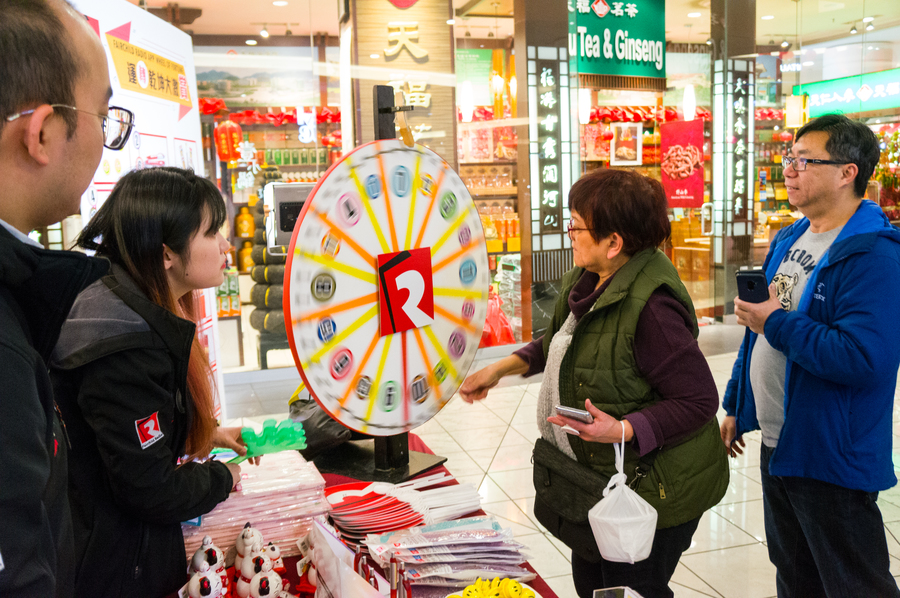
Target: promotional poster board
(473, 67)
(151, 70)
(627, 146)
(681, 148)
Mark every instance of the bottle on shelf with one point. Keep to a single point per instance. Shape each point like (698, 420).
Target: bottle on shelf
(244, 225)
(245, 260)
(499, 220)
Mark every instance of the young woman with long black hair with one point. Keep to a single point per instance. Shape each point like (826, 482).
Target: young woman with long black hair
(134, 385)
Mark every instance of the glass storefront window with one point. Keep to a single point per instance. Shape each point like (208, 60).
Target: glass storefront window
(479, 76)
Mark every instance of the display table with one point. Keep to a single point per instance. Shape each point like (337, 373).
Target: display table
(416, 444)
(331, 479)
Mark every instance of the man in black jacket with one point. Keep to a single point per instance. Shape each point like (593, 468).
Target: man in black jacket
(53, 98)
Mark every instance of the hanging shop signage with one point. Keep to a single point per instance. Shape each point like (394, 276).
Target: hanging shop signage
(142, 71)
(549, 148)
(741, 112)
(681, 147)
(860, 93)
(619, 38)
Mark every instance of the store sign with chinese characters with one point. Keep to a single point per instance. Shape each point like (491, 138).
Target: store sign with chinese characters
(618, 38)
(860, 93)
(549, 147)
(407, 45)
(741, 114)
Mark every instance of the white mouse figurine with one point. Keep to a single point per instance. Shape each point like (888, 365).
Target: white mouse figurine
(265, 584)
(245, 541)
(249, 568)
(213, 556)
(205, 583)
(274, 554)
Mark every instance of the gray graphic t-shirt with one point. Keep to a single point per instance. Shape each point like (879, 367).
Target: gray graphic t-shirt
(767, 366)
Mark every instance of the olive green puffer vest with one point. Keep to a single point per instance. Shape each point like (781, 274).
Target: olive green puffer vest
(599, 365)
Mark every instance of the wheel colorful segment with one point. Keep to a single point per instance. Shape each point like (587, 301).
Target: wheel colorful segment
(386, 287)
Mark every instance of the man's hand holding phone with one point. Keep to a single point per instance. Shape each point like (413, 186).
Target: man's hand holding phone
(754, 303)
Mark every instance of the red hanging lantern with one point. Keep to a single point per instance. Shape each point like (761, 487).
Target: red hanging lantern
(607, 135)
(787, 136)
(228, 136)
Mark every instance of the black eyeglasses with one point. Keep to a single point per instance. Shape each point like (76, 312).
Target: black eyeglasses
(116, 125)
(572, 229)
(799, 164)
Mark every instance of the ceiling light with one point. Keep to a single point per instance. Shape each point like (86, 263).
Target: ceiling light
(280, 3)
(490, 34)
(695, 15)
(767, 17)
(808, 63)
(264, 32)
(853, 30)
(785, 43)
(709, 41)
(250, 42)
(468, 33)
(868, 19)
(288, 32)
(451, 21)
(870, 27)
(771, 42)
(374, 56)
(869, 48)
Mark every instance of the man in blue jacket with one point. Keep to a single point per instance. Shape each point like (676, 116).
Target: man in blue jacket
(817, 371)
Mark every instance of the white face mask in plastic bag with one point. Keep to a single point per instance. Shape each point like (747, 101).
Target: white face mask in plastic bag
(623, 523)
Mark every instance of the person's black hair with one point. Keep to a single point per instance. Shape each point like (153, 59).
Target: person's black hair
(624, 202)
(848, 141)
(37, 64)
(148, 209)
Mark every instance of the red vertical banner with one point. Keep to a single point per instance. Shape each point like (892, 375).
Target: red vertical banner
(681, 148)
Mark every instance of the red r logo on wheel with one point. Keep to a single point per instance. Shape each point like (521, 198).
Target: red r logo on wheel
(405, 290)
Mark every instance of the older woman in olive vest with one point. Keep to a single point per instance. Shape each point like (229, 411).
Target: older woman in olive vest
(622, 345)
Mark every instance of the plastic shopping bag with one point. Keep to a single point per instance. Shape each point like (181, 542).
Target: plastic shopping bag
(623, 523)
(497, 329)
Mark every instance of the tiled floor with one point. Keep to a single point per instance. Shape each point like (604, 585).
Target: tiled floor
(489, 445)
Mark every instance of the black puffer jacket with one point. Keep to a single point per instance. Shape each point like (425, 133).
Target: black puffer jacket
(120, 376)
(37, 289)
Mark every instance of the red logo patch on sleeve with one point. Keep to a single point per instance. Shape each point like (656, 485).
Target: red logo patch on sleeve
(148, 430)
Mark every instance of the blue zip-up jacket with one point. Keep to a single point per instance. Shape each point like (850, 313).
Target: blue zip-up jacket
(843, 351)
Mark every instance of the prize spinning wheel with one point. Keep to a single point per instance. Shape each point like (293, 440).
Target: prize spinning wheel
(387, 279)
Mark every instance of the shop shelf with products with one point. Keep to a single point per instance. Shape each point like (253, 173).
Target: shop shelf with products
(772, 140)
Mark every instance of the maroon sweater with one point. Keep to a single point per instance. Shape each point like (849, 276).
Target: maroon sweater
(667, 356)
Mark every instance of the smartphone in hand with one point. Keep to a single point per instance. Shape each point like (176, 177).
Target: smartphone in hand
(576, 414)
(753, 287)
